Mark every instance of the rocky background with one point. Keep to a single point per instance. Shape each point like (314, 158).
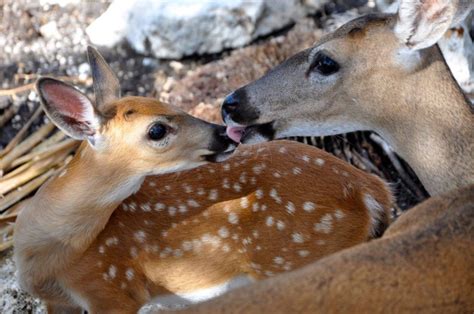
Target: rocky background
(186, 52)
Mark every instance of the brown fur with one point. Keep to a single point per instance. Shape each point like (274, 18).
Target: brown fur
(408, 97)
(422, 263)
(74, 241)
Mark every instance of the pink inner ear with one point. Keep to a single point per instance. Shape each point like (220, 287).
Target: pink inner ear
(67, 101)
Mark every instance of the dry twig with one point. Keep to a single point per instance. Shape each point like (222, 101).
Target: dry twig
(19, 136)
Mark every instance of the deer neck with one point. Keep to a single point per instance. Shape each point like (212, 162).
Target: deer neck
(69, 211)
(428, 121)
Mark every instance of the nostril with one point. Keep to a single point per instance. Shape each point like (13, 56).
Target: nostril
(230, 102)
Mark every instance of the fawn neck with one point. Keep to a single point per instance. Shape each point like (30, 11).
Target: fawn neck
(72, 209)
(428, 121)
(89, 190)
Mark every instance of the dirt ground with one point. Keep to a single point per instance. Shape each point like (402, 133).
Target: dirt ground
(28, 50)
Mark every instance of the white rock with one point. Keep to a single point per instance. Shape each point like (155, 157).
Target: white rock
(50, 30)
(61, 3)
(173, 29)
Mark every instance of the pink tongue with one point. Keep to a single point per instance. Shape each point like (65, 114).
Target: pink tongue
(235, 133)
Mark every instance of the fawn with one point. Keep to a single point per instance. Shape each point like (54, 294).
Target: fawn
(120, 228)
(377, 72)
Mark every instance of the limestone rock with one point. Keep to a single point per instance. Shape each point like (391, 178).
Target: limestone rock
(173, 29)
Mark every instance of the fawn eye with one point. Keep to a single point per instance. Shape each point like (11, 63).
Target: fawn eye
(157, 131)
(324, 65)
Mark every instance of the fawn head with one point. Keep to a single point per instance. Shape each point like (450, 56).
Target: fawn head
(142, 135)
(345, 81)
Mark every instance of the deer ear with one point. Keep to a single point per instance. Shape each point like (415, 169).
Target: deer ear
(68, 108)
(106, 84)
(421, 23)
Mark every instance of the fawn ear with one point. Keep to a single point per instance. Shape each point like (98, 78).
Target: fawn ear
(68, 108)
(421, 23)
(106, 84)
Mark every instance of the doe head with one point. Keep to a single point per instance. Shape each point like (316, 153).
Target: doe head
(345, 81)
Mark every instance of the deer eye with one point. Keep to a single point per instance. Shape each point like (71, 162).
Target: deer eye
(157, 131)
(324, 65)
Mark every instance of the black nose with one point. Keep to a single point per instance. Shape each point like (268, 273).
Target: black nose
(229, 106)
(221, 141)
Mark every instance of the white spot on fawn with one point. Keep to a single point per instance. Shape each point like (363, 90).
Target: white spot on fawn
(226, 248)
(187, 245)
(319, 161)
(290, 208)
(257, 169)
(101, 249)
(324, 225)
(297, 170)
(146, 207)
(140, 236)
(213, 194)
(112, 241)
(255, 207)
(303, 253)
(233, 218)
(280, 225)
(278, 260)
(243, 177)
(274, 195)
(223, 232)
(309, 206)
(172, 210)
(225, 183)
(247, 241)
(244, 202)
(259, 194)
(182, 208)
(112, 271)
(159, 207)
(297, 237)
(269, 221)
(237, 187)
(187, 188)
(133, 252)
(305, 158)
(193, 203)
(339, 214)
(129, 274)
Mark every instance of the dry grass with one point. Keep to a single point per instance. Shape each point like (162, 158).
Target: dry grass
(26, 163)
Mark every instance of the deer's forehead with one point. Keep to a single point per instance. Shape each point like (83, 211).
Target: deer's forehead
(141, 106)
(359, 28)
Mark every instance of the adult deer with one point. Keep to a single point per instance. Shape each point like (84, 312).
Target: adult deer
(422, 264)
(378, 72)
(102, 237)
